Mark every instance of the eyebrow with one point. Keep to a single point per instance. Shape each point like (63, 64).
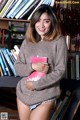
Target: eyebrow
(46, 19)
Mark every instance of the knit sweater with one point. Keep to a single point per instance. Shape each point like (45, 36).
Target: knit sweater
(48, 86)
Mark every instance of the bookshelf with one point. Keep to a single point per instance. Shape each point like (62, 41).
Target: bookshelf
(14, 20)
(14, 35)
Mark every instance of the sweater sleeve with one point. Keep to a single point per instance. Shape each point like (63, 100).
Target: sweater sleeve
(21, 67)
(59, 69)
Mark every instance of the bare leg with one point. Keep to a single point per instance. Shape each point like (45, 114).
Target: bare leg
(42, 112)
(24, 110)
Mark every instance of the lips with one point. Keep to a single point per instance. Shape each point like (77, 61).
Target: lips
(41, 30)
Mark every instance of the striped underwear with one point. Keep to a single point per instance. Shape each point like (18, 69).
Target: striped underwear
(36, 105)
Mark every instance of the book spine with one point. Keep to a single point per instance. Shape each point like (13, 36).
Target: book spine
(24, 8)
(60, 107)
(18, 8)
(11, 56)
(4, 8)
(1, 73)
(12, 9)
(6, 66)
(9, 61)
(2, 4)
(77, 67)
(3, 66)
(7, 8)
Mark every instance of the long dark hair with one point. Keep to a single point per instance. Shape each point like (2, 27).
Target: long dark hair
(54, 31)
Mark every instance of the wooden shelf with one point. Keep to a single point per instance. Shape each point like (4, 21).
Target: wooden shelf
(14, 20)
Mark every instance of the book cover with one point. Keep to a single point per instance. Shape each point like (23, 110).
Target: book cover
(3, 66)
(37, 75)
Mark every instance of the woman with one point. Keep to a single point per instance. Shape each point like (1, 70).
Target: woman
(35, 99)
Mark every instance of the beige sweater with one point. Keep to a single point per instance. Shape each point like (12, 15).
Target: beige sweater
(48, 86)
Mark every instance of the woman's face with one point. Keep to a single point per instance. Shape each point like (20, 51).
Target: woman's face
(42, 26)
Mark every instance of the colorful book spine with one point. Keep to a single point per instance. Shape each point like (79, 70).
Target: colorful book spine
(77, 67)
(2, 4)
(16, 6)
(52, 3)
(5, 64)
(1, 73)
(9, 61)
(9, 2)
(12, 9)
(35, 8)
(11, 56)
(48, 2)
(8, 8)
(24, 8)
(56, 114)
(30, 8)
(16, 10)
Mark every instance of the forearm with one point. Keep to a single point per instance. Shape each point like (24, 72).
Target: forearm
(50, 79)
(23, 69)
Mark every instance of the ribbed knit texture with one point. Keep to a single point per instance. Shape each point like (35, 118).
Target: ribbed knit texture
(48, 86)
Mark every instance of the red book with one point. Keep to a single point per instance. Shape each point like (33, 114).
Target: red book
(37, 75)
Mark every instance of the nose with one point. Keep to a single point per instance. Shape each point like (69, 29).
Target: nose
(42, 24)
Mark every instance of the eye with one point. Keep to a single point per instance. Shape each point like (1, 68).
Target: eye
(47, 21)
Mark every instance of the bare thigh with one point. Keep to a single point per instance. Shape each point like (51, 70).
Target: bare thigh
(42, 112)
(24, 110)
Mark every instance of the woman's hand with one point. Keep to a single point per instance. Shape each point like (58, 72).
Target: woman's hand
(29, 85)
(40, 67)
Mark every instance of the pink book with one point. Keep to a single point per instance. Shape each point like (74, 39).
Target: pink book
(37, 75)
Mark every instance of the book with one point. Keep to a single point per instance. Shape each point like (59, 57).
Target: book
(6, 8)
(16, 49)
(13, 52)
(48, 2)
(11, 65)
(34, 76)
(2, 4)
(9, 6)
(31, 8)
(77, 67)
(24, 8)
(11, 56)
(14, 10)
(1, 73)
(5, 64)
(58, 114)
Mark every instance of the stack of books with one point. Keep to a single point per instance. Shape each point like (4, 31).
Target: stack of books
(7, 60)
